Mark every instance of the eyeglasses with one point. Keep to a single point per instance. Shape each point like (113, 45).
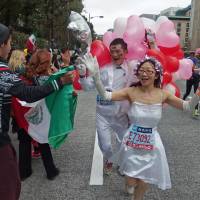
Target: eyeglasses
(148, 72)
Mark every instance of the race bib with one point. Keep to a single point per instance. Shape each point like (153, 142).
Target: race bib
(101, 101)
(141, 137)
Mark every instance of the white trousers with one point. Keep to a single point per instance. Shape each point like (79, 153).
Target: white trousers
(105, 126)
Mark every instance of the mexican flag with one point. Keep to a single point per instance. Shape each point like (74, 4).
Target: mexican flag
(52, 119)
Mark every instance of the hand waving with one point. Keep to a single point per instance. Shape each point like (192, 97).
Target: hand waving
(80, 67)
(92, 65)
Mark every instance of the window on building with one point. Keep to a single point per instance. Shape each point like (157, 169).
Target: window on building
(186, 34)
(178, 25)
(188, 25)
(187, 29)
(178, 29)
(186, 39)
(188, 13)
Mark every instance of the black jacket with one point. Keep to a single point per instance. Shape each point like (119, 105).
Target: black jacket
(12, 85)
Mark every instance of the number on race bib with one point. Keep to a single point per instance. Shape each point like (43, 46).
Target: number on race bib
(141, 138)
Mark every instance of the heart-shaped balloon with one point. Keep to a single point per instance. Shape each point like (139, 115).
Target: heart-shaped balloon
(101, 52)
(167, 78)
(120, 26)
(108, 37)
(76, 84)
(169, 51)
(135, 31)
(159, 21)
(158, 55)
(172, 64)
(166, 35)
(178, 54)
(185, 69)
(136, 51)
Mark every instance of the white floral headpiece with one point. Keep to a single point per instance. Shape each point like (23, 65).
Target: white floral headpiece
(157, 65)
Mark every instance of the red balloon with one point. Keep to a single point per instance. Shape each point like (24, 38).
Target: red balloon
(167, 78)
(158, 55)
(101, 52)
(172, 64)
(76, 84)
(169, 51)
(178, 54)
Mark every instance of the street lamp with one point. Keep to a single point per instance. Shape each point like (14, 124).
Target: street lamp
(95, 17)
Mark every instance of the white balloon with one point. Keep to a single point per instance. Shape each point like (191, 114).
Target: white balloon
(159, 21)
(80, 28)
(120, 26)
(149, 23)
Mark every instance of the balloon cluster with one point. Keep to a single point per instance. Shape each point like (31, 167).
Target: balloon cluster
(157, 39)
(143, 36)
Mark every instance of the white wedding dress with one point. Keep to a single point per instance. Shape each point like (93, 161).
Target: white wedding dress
(149, 165)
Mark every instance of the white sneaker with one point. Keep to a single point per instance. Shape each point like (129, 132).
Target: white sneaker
(195, 114)
(118, 172)
(129, 189)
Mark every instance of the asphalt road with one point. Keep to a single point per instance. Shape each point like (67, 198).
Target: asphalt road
(180, 135)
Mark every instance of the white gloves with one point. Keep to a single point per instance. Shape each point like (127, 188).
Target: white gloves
(190, 105)
(81, 69)
(92, 65)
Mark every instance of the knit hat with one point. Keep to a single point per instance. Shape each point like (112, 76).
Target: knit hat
(4, 33)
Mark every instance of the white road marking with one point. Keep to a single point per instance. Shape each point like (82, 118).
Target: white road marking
(96, 176)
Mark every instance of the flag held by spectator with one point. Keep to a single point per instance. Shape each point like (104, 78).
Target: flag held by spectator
(52, 119)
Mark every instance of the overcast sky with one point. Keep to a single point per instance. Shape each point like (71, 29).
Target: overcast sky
(111, 9)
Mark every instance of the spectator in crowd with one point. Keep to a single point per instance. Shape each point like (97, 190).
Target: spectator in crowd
(61, 58)
(41, 69)
(12, 85)
(17, 62)
(195, 78)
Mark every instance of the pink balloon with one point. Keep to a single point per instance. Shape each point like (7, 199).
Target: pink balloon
(108, 37)
(136, 51)
(135, 31)
(166, 35)
(185, 68)
(159, 21)
(167, 40)
(120, 26)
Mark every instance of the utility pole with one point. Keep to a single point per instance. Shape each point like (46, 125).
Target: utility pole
(52, 24)
(195, 25)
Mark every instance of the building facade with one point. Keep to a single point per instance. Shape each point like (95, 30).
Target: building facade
(181, 20)
(182, 26)
(195, 25)
(170, 11)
